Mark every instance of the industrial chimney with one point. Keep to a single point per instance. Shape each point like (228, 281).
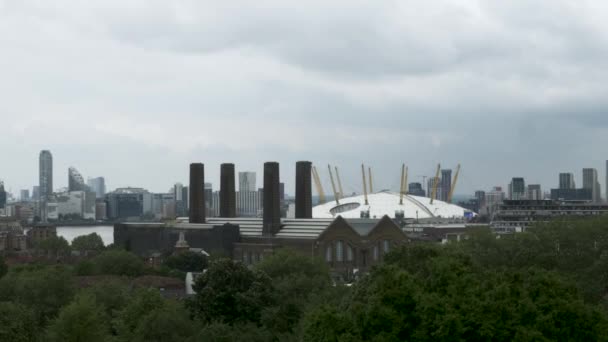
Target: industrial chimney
(272, 201)
(197, 193)
(227, 192)
(303, 190)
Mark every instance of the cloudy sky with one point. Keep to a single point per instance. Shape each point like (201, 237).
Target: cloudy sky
(136, 90)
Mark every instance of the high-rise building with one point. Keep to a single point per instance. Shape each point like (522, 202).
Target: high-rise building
(430, 185)
(36, 193)
(480, 196)
(247, 181)
(75, 180)
(2, 196)
(248, 203)
(494, 199)
(210, 209)
(179, 194)
(590, 181)
(446, 184)
(534, 192)
(46, 174)
(25, 195)
(97, 185)
(566, 181)
(415, 189)
(517, 189)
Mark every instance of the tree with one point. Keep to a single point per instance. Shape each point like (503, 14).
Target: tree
(299, 281)
(230, 292)
(91, 242)
(169, 323)
(187, 262)
(54, 245)
(130, 316)
(116, 262)
(3, 267)
(80, 321)
(43, 290)
(222, 332)
(17, 323)
(445, 296)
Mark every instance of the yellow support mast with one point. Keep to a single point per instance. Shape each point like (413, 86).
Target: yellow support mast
(317, 179)
(339, 184)
(401, 191)
(371, 186)
(454, 184)
(364, 184)
(333, 185)
(436, 183)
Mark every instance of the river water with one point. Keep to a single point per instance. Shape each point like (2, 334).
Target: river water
(69, 233)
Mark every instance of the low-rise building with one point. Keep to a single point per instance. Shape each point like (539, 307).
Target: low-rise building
(516, 216)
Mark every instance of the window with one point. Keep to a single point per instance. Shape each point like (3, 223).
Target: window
(349, 253)
(249, 257)
(386, 246)
(376, 253)
(328, 253)
(339, 252)
(244, 257)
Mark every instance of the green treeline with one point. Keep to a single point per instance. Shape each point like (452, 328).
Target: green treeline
(548, 284)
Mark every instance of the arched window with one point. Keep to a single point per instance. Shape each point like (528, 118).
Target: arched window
(328, 253)
(339, 251)
(349, 253)
(386, 246)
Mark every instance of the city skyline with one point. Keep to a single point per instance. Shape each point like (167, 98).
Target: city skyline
(154, 86)
(578, 178)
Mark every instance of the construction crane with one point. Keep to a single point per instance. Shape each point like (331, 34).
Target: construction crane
(436, 183)
(333, 185)
(364, 184)
(371, 186)
(339, 184)
(454, 184)
(315, 176)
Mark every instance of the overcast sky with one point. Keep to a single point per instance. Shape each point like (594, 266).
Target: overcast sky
(136, 90)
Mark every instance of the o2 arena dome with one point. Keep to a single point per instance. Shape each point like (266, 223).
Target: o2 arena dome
(388, 203)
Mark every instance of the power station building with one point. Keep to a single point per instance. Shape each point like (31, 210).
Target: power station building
(348, 245)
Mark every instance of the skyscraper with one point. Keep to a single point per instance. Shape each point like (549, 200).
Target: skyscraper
(75, 180)
(247, 181)
(566, 181)
(46, 174)
(534, 192)
(446, 184)
(517, 189)
(590, 181)
(430, 185)
(25, 195)
(2, 196)
(97, 185)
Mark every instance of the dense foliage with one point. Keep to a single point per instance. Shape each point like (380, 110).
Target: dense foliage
(549, 284)
(91, 242)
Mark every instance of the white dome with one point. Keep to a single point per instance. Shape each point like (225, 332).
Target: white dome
(387, 203)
